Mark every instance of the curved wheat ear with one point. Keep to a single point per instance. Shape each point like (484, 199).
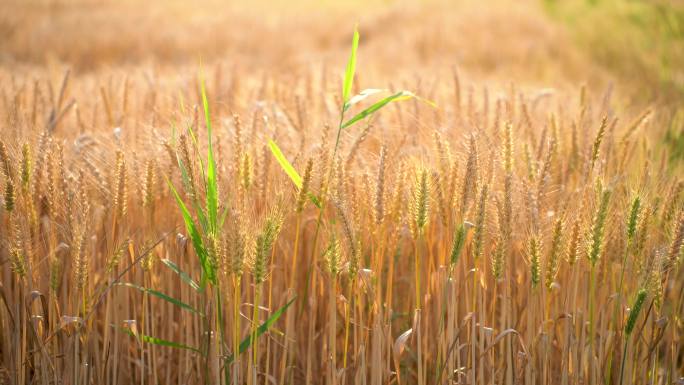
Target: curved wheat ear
(333, 256)
(674, 202)
(498, 260)
(636, 123)
(264, 242)
(574, 244)
(246, 171)
(545, 174)
(120, 194)
(633, 219)
(598, 228)
(347, 227)
(534, 251)
(420, 202)
(470, 177)
(5, 160)
(597, 142)
(79, 259)
(677, 242)
(652, 275)
(44, 141)
(149, 185)
(237, 138)
(115, 259)
(10, 196)
(173, 160)
(306, 183)
(55, 267)
(398, 202)
(634, 312)
(215, 251)
(187, 167)
(554, 253)
(508, 148)
(16, 250)
(236, 249)
(52, 188)
(458, 242)
(506, 212)
(451, 182)
(380, 188)
(443, 208)
(25, 167)
(355, 260)
(480, 222)
(150, 257)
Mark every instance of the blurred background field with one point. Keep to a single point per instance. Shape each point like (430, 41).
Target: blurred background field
(634, 47)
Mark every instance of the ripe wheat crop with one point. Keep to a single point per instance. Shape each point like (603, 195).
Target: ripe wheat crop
(241, 228)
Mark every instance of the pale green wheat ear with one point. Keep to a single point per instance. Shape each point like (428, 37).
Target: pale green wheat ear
(598, 227)
(534, 250)
(459, 241)
(634, 312)
(633, 218)
(420, 202)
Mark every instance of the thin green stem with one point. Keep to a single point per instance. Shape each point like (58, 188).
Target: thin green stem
(624, 357)
(417, 311)
(592, 288)
(255, 323)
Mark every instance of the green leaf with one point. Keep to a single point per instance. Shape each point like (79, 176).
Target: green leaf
(314, 199)
(161, 295)
(351, 68)
(399, 96)
(212, 185)
(159, 341)
(183, 275)
(362, 95)
(194, 236)
(285, 164)
(290, 170)
(458, 242)
(247, 342)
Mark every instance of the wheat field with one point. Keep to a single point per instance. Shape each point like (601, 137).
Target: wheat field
(226, 193)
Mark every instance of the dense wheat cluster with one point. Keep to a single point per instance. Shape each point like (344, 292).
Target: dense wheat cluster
(212, 224)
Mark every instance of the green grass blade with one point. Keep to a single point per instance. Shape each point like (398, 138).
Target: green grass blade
(314, 199)
(285, 164)
(212, 185)
(361, 96)
(401, 95)
(159, 341)
(223, 217)
(351, 68)
(161, 295)
(290, 170)
(263, 328)
(183, 275)
(194, 236)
